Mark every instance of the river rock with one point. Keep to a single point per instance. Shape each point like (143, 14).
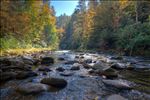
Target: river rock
(1, 71)
(36, 61)
(71, 62)
(61, 58)
(99, 65)
(47, 60)
(109, 73)
(116, 58)
(5, 76)
(120, 84)
(118, 66)
(4, 92)
(43, 68)
(115, 97)
(55, 82)
(28, 60)
(81, 54)
(16, 68)
(32, 88)
(5, 62)
(23, 75)
(88, 61)
(77, 57)
(103, 69)
(91, 71)
(17, 62)
(82, 57)
(86, 66)
(75, 68)
(129, 66)
(61, 69)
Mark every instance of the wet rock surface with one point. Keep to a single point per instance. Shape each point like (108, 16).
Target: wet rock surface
(66, 73)
(48, 76)
(4, 76)
(44, 68)
(55, 82)
(118, 84)
(116, 97)
(61, 69)
(32, 88)
(75, 68)
(23, 75)
(47, 60)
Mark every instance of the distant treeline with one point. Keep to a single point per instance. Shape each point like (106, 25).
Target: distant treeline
(121, 25)
(27, 23)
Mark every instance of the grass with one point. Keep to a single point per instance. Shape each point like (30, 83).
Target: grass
(20, 51)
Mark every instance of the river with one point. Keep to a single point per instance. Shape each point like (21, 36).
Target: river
(89, 76)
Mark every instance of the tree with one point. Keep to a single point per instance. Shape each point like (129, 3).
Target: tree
(23, 23)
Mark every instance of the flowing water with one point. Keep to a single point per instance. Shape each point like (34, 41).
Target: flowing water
(80, 84)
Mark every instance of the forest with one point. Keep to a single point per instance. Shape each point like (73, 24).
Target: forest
(27, 24)
(100, 51)
(121, 25)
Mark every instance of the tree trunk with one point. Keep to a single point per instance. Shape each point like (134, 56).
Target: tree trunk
(136, 11)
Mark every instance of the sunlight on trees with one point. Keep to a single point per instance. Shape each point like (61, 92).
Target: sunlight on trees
(25, 23)
(105, 25)
(100, 25)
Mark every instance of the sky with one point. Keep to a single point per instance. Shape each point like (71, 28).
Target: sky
(64, 6)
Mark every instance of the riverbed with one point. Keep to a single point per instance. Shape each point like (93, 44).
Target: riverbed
(89, 76)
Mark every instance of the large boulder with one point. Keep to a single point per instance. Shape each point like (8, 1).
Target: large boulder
(115, 97)
(99, 65)
(55, 82)
(103, 69)
(32, 88)
(109, 73)
(47, 61)
(120, 84)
